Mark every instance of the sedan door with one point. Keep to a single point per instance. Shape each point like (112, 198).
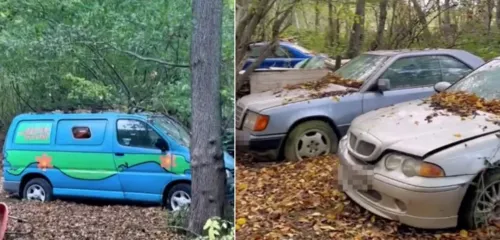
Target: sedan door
(410, 77)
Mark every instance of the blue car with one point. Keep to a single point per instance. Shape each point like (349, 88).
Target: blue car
(286, 55)
(136, 157)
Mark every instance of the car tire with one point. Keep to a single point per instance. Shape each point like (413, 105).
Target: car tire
(179, 191)
(467, 218)
(38, 189)
(328, 140)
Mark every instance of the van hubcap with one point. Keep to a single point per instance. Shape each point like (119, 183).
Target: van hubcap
(35, 192)
(313, 143)
(487, 208)
(179, 199)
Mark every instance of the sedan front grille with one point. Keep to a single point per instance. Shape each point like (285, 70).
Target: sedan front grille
(365, 148)
(359, 146)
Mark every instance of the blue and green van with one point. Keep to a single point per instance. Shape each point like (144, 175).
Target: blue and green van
(138, 157)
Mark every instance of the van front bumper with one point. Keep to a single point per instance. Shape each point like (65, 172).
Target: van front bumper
(262, 147)
(11, 187)
(417, 206)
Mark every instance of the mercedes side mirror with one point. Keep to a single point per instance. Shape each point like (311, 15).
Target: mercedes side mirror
(441, 86)
(383, 84)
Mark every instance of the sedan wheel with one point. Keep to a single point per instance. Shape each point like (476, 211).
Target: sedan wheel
(487, 208)
(310, 139)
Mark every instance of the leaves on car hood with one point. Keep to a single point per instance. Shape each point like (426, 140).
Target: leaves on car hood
(463, 104)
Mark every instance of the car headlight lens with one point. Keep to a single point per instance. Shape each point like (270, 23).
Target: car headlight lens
(412, 167)
(393, 161)
(255, 121)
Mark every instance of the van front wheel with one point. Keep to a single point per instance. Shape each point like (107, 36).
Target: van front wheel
(178, 196)
(38, 189)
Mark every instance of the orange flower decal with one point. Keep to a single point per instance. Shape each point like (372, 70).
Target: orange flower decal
(167, 161)
(44, 161)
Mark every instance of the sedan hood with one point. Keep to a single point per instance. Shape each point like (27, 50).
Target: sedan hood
(264, 100)
(403, 127)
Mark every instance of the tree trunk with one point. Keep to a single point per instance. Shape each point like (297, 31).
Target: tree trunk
(381, 25)
(490, 4)
(316, 17)
(357, 34)
(331, 27)
(207, 165)
(393, 18)
(421, 18)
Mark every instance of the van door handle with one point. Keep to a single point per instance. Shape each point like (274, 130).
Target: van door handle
(119, 154)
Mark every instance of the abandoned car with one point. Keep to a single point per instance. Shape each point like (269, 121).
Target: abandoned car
(430, 163)
(308, 120)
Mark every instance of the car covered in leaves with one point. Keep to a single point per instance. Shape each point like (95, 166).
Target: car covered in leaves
(430, 163)
(308, 119)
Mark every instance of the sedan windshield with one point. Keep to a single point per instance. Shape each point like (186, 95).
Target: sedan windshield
(361, 67)
(484, 81)
(172, 129)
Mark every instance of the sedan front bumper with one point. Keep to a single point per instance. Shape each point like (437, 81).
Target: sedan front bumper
(263, 147)
(410, 204)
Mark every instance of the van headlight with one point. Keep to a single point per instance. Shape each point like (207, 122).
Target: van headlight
(411, 166)
(256, 122)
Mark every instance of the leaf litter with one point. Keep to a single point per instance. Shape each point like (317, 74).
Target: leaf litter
(463, 104)
(301, 201)
(317, 88)
(70, 220)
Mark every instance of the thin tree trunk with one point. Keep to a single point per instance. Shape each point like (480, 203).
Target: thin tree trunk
(393, 18)
(331, 27)
(421, 18)
(316, 17)
(207, 165)
(381, 25)
(490, 4)
(498, 14)
(357, 34)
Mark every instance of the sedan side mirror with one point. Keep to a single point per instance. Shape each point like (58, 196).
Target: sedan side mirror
(441, 86)
(161, 144)
(384, 84)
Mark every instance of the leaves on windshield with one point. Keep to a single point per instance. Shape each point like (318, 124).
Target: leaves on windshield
(330, 78)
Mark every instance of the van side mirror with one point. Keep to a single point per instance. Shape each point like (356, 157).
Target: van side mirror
(383, 84)
(441, 86)
(161, 144)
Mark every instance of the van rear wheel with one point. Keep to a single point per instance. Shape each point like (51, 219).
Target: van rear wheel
(310, 139)
(38, 189)
(178, 196)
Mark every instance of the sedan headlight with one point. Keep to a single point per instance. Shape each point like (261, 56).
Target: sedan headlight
(255, 121)
(412, 167)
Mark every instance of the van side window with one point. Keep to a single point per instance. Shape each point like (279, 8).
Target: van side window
(81, 132)
(134, 133)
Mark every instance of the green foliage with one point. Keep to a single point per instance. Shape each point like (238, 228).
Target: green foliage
(106, 54)
(217, 228)
(178, 220)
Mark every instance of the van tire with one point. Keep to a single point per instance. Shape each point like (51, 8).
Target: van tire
(39, 187)
(466, 217)
(180, 190)
(300, 130)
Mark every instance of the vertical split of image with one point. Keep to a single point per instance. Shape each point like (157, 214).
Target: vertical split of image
(367, 119)
(117, 119)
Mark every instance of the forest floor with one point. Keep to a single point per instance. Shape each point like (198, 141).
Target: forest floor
(84, 219)
(302, 201)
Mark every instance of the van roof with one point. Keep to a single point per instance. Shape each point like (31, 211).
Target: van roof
(60, 114)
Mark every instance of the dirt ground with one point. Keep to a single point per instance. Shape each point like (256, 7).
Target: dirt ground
(302, 201)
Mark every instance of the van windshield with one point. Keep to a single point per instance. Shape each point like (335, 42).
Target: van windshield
(484, 81)
(176, 131)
